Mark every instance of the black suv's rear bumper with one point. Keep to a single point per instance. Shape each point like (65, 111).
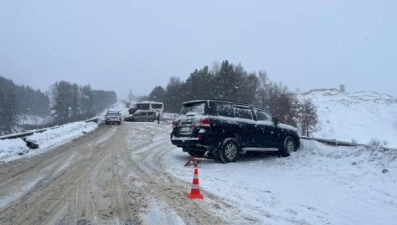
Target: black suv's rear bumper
(203, 140)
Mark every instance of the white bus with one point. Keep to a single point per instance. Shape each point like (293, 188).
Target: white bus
(147, 105)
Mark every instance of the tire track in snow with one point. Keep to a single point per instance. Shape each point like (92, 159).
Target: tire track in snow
(173, 191)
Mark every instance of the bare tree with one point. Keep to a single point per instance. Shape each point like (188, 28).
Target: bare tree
(307, 117)
(215, 67)
(262, 89)
(279, 101)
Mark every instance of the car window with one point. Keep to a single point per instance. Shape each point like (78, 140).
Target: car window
(244, 113)
(225, 109)
(262, 116)
(193, 109)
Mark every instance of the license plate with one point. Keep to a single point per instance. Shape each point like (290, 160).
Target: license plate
(185, 129)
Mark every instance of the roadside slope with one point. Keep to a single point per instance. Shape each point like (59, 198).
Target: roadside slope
(359, 116)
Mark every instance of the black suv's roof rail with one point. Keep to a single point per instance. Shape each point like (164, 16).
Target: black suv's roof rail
(235, 102)
(223, 100)
(193, 101)
(231, 101)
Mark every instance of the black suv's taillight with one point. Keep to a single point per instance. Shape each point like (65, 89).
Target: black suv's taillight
(203, 122)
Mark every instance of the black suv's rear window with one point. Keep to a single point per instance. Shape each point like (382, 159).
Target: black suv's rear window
(193, 109)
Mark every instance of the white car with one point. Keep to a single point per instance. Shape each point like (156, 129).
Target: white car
(113, 117)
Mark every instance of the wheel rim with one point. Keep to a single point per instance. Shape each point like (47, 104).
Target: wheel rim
(230, 151)
(290, 146)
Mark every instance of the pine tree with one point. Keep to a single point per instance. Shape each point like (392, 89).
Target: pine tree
(86, 101)
(199, 85)
(8, 106)
(157, 94)
(62, 93)
(173, 96)
(75, 104)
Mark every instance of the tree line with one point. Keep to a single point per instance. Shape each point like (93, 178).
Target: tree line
(71, 102)
(65, 102)
(232, 82)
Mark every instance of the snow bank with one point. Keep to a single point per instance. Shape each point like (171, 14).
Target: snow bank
(11, 149)
(319, 184)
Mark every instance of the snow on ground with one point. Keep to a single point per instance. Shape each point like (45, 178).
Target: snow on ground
(359, 116)
(20, 192)
(160, 213)
(317, 185)
(10, 149)
(169, 116)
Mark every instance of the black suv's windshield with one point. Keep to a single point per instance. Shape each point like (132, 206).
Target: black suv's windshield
(193, 109)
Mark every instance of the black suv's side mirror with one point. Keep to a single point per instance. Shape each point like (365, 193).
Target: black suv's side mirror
(275, 121)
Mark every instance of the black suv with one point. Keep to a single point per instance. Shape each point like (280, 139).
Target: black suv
(226, 129)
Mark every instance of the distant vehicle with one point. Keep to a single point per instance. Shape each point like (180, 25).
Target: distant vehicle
(113, 117)
(132, 110)
(149, 105)
(142, 116)
(226, 129)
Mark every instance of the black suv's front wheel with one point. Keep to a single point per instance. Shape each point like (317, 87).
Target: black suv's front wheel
(228, 151)
(288, 147)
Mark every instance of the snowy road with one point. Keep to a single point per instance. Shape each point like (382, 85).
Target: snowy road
(131, 174)
(115, 175)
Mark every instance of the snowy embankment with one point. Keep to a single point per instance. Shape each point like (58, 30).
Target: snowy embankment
(11, 149)
(319, 184)
(359, 117)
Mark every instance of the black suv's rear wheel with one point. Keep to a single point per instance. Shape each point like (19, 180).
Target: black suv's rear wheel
(288, 147)
(229, 150)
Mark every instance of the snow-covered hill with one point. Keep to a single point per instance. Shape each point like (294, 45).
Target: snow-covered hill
(359, 116)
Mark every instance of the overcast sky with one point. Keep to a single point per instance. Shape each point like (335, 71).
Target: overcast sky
(136, 45)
